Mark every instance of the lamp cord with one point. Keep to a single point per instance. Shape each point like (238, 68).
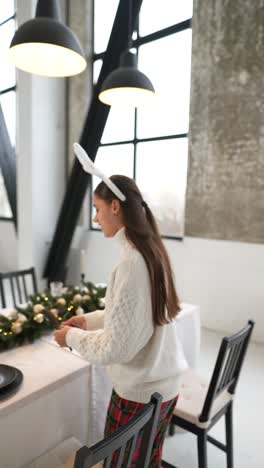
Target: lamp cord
(130, 32)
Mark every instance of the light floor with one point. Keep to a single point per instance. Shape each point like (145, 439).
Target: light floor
(248, 414)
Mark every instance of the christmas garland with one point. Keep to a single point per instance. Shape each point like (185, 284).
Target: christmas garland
(28, 322)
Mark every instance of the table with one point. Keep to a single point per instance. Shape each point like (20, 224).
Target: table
(62, 395)
(48, 407)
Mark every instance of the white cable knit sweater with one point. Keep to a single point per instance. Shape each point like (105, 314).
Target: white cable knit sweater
(141, 358)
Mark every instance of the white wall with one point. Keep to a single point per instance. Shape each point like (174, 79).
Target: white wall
(41, 156)
(224, 278)
(40, 166)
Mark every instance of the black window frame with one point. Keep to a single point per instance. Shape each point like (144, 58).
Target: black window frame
(6, 91)
(136, 43)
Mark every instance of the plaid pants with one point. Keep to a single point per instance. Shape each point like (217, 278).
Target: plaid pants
(120, 411)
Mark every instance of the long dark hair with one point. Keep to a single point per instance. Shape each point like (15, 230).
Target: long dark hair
(142, 231)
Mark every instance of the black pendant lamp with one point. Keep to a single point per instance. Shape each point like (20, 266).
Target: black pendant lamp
(45, 46)
(127, 85)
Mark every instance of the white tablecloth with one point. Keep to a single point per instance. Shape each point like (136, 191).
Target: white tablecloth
(62, 395)
(51, 405)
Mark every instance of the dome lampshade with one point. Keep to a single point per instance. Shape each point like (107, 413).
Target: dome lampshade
(45, 46)
(127, 85)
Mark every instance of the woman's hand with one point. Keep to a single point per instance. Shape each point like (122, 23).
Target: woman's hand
(60, 336)
(76, 321)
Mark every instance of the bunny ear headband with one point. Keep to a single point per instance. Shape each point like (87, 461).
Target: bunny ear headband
(88, 166)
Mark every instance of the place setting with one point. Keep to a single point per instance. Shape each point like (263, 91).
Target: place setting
(10, 380)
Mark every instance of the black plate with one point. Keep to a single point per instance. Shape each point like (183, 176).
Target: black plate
(7, 375)
(12, 387)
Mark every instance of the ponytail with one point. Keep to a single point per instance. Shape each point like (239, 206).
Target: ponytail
(142, 231)
(165, 302)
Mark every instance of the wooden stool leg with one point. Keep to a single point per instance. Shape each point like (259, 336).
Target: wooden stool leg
(229, 436)
(171, 429)
(202, 450)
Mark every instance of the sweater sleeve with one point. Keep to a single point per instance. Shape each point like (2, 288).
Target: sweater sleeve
(95, 320)
(127, 320)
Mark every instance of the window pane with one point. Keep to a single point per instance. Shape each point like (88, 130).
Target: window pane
(112, 160)
(167, 62)
(104, 15)
(164, 190)
(8, 103)
(96, 70)
(7, 10)
(163, 14)
(7, 75)
(120, 125)
(5, 210)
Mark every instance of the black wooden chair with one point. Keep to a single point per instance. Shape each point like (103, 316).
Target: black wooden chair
(125, 438)
(200, 405)
(17, 286)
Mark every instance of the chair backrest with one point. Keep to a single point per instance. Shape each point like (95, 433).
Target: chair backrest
(125, 440)
(227, 368)
(17, 285)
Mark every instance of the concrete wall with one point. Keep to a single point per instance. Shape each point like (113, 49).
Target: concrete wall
(8, 246)
(226, 166)
(79, 86)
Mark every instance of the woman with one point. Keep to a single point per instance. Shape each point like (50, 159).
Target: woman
(135, 336)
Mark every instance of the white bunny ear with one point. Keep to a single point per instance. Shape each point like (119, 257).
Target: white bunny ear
(88, 166)
(84, 159)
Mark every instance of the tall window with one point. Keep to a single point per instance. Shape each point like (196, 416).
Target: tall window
(151, 144)
(7, 89)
